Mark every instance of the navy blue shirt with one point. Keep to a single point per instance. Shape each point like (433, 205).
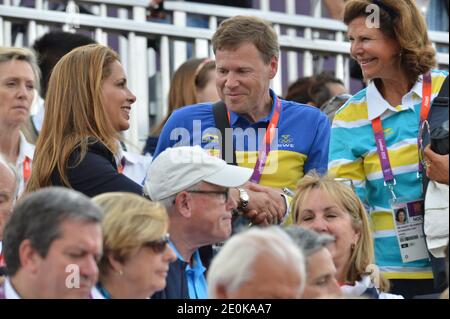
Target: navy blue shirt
(184, 281)
(96, 173)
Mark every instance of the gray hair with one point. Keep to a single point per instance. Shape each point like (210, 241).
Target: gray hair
(169, 202)
(38, 216)
(13, 171)
(22, 54)
(233, 264)
(308, 240)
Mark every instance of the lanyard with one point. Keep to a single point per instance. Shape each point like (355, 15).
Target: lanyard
(2, 258)
(268, 138)
(121, 166)
(26, 169)
(382, 150)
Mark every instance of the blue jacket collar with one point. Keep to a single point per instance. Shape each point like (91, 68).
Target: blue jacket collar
(197, 260)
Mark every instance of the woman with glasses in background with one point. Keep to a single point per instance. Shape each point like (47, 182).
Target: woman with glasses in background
(330, 206)
(136, 254)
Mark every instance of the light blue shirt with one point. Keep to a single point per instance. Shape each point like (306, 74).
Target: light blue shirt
(197, 286)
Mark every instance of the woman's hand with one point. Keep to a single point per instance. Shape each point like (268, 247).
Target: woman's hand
(436, 166)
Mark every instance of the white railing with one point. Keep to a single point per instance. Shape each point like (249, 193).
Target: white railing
(130, 33)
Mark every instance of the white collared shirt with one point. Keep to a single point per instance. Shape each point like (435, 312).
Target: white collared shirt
(25, 150)
(378, 106)
(135, 166)
(10, 292)
(95, 293)
(361, 286)
(38, 118)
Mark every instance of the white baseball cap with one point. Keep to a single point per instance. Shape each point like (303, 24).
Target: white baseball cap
(179, 168)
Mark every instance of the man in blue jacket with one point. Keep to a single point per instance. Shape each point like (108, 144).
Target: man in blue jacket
(280, 140)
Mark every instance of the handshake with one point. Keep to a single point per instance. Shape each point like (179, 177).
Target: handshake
(261, 205)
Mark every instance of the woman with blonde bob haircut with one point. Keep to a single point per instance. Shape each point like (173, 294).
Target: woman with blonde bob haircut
(136, 254)
(87, 106)
(326, 205)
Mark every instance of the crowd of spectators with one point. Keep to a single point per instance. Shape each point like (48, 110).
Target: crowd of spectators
(335, 194)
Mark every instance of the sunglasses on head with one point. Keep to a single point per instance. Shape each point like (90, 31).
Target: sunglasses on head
(159, 245)
(345, 181)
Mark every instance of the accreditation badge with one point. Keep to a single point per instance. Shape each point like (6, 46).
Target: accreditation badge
(408, 221)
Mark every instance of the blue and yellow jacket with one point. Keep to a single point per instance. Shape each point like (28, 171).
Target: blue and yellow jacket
(301, 143)
(353, 154)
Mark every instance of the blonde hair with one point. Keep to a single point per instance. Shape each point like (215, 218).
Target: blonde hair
(344, 196)
(402, 21)
(22, 54)
(75, 113)
(187, 79)
(129, 222)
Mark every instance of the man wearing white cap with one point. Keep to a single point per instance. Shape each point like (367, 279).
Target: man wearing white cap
(194, 188)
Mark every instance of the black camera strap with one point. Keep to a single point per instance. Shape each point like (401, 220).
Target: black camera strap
(220, 113)
(222, 123)
(437, 116)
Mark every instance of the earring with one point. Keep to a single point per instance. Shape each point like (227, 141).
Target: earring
(120, 272)
(353, 246)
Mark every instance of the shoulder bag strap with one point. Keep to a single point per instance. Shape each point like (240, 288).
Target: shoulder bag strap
(221, 118)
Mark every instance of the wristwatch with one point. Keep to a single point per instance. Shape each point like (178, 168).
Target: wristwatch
(243, 196)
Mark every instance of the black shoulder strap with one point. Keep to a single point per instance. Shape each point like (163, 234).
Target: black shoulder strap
(439, 107)
(221, 118)
(438, 115)
(444, 89)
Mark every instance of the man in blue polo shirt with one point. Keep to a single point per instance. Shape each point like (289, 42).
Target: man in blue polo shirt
(279, 140)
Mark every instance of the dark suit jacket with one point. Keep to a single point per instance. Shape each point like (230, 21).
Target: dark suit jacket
(96, 173)
(177, 286)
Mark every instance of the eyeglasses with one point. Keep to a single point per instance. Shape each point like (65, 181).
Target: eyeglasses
(334, 103)
(158, 245)
(223, 194)
(346, 181)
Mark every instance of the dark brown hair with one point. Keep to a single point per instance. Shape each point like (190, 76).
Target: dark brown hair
(402, 21)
